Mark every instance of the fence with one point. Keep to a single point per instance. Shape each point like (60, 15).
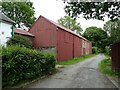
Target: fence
(115, 55)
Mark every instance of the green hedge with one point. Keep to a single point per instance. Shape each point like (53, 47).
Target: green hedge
(105, 66)
(22, 63)
(20, 40)
(107, 50)
(94, 50)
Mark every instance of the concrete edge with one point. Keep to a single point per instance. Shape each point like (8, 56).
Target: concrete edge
(113, 81)
(22, 85)
(27, 83)
(59, 66)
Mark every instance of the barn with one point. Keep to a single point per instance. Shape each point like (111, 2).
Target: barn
(64, 43)
(25, 33)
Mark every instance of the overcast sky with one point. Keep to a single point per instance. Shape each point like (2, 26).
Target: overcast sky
(54, 10)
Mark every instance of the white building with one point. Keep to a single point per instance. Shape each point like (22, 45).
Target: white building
(6, 28)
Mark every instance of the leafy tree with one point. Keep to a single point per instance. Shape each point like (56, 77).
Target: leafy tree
(95, 10)
(113, 29)
(70, 23)
(21, 12)
(98, 37)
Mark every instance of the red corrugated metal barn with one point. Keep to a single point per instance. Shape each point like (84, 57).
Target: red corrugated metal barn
(50, 36)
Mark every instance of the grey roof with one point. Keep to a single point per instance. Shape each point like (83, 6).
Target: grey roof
(3, 17)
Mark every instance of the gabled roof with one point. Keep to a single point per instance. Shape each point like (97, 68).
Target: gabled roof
(23, 32)
(3, 17)
(62, 27)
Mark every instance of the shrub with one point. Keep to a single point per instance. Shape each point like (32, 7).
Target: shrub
(20, 63)
(20, 40)
(107, 50)
(94, 50)
(105, 66)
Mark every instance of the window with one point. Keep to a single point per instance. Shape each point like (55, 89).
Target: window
(2, 32)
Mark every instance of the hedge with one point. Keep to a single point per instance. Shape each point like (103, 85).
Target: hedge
(22, 63)
(94, 50)
(20, 40)
(107, 50)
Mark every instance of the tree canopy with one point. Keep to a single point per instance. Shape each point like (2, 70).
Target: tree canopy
(70, 23)
(98, 37)
(113, 30)
(21, 12)
(95, 10)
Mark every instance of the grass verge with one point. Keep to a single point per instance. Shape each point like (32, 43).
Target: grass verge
(75, 60)
(105, 66)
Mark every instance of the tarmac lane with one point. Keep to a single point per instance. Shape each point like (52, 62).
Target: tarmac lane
(84, 74)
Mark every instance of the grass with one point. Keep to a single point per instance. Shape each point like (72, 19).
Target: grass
(105, 66)
(75, 60)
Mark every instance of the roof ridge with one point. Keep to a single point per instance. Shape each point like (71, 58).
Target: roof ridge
(5, 18)
(62, 27)
(21, 31)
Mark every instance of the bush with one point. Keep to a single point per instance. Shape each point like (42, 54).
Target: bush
(107, 50)
(94, 50)
(105, 66)
(20, 40)
(20, 63)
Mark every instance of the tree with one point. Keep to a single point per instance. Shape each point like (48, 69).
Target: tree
(113, 29)
(95, 10)
(70, 23)
(98, 37)
(21, 12)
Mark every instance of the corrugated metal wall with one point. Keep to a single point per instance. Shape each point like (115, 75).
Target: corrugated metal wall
(115, 55)
(67, 44)
(64, 45)
(90, 47)
(70, 46)
(45, 33)
(77, 46)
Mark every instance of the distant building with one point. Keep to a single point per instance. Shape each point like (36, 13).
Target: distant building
(24, 33)
(6, 28)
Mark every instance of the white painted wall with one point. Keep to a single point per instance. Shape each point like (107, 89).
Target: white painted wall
(5, 32)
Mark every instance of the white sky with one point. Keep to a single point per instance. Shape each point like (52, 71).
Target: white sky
(54, 10)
